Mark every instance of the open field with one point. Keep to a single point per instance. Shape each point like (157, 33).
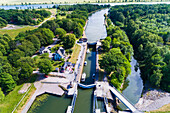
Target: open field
(164, 109)
(18, 2)
(75, 54)
(14, 32)
(10, 2)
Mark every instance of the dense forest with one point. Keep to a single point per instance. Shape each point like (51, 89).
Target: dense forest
(84, 7)
(16, 64)
(147, 27)
(116, 54)
(22, 17)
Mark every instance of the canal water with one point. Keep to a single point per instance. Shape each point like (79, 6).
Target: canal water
(135, 85)
(95, 30)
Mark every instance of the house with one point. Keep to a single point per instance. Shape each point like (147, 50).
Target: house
(81, 40)
(67, 66)
(59, 54)
(44, 50)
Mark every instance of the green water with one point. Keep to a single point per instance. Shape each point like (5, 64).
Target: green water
(84, 102)
(53, 104)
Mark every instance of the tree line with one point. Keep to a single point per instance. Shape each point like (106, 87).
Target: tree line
(116, 56)
(22, 17)
(151, 45)
(16, 64)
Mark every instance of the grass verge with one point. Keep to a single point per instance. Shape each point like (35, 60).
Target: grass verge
(75, 54)
(163, 109)
(37, 102)
(25, 100)
(14, 32)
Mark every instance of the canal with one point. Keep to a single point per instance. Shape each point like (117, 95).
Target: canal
(95, 30)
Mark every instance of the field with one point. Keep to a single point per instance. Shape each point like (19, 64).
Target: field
(14, 32)
(75, 54)
(12, 2)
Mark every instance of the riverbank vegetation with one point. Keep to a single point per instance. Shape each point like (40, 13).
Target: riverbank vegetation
(16, 64)
(147, 27)
(116, 56)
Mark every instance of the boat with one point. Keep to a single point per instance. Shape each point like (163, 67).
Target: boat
(83, 77)
(88, 51)
(85, 63)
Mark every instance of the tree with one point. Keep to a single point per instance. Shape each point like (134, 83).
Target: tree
(15, 55)
(25, 71)
(2, 96)
(155, 78)
(47, 35)
(27, 47)
(105, 45)
(45, 66)
(114, 59)
(7, 82)
(69, 41)
(108, 39)
(27, 60)
(78, 31)
(2, 49)
(35, 41)
(60, 32)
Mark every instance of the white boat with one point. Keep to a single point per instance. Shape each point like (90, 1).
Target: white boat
(83, 77)
(85, 63)
(88, 51)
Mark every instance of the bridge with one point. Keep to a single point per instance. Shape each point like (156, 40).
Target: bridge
(123, 100)
(87, 86)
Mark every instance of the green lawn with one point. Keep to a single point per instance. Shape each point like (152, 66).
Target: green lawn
(12, 99)
(75, 54)
(14, 32)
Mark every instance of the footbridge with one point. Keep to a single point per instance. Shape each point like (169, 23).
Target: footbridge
(123, 100)
(86, 86)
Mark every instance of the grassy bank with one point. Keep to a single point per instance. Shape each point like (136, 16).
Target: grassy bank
(38, 101)
(75, 54)
(12, 99)
(163, 109)
(26, 99)
(14, 32)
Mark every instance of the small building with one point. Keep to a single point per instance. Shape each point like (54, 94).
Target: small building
(59, 54)
(66, 66)
(44, 50)
(81, 40)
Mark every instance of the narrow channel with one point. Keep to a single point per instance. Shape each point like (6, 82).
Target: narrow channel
(95, 30)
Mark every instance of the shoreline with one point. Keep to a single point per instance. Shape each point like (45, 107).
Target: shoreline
(152, 99)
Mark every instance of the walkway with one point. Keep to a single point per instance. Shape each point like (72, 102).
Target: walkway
(123, 100)
(47, 85)
(87, 86)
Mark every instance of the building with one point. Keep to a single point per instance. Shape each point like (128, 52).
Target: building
(59, 54)
(67, 66)
(44, 50)
(81, 40)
